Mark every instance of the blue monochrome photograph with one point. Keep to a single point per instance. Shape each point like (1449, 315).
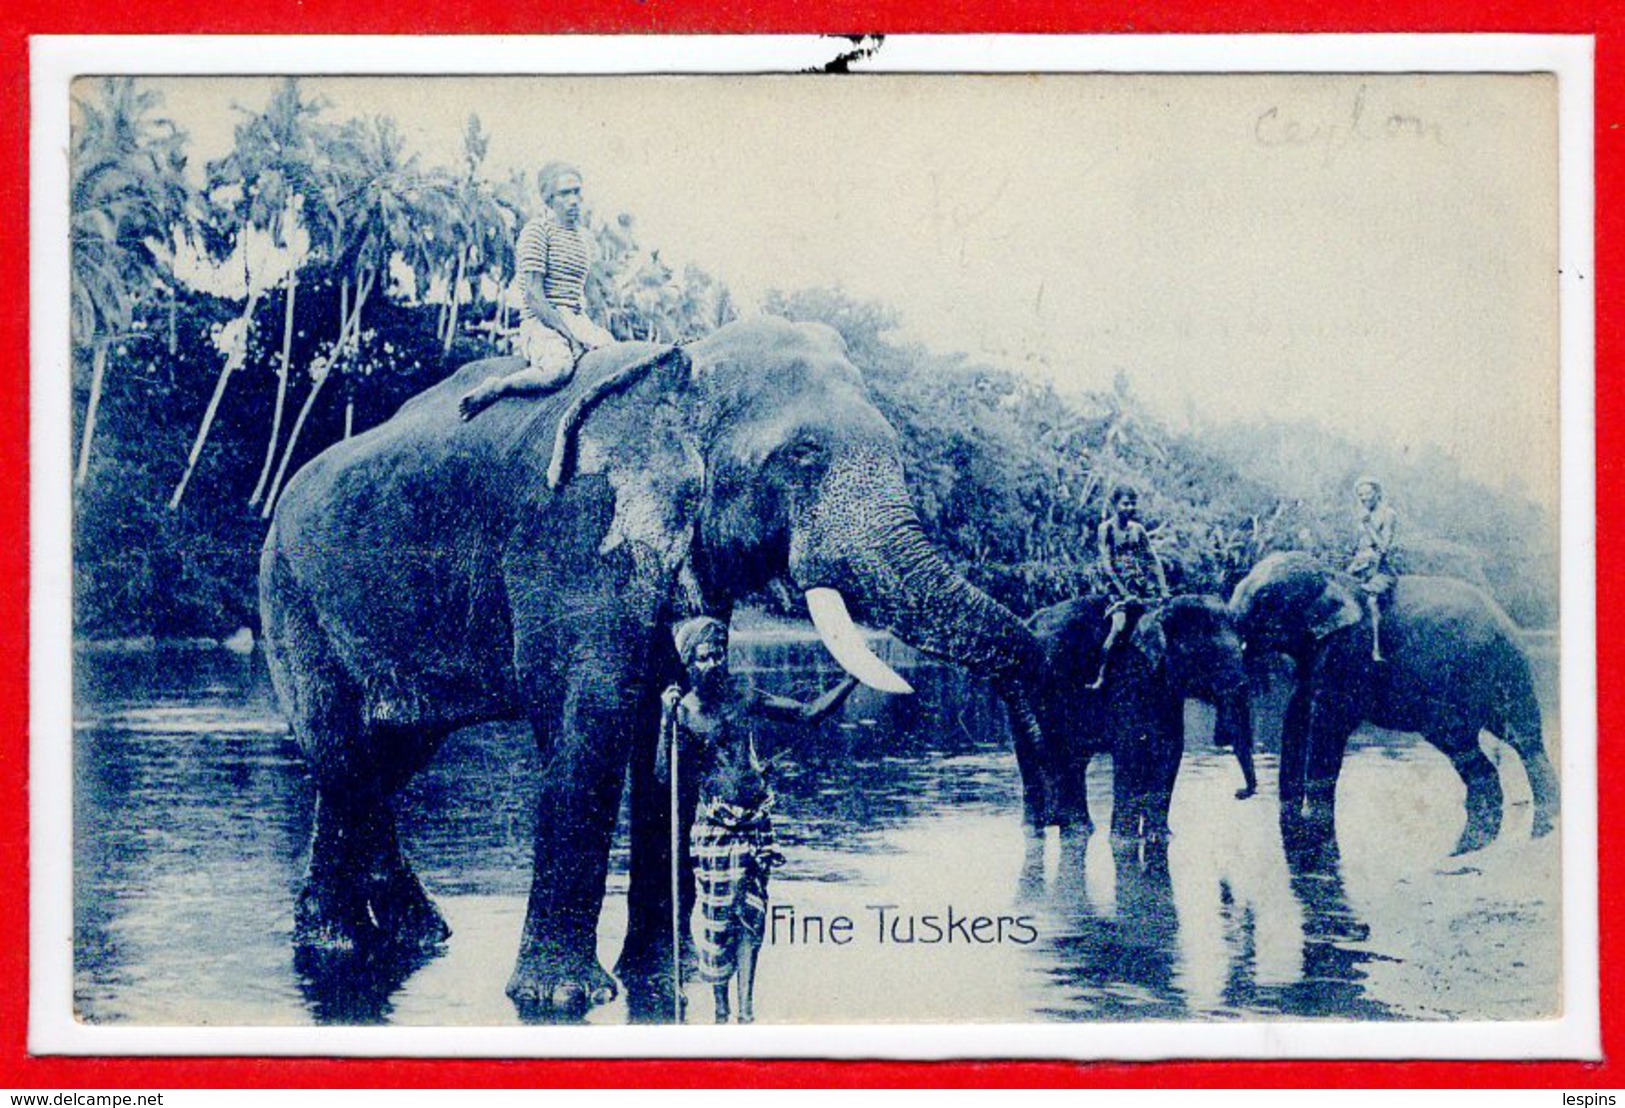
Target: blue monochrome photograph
(816, 549)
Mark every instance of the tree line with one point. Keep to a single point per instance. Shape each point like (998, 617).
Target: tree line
(225, 332)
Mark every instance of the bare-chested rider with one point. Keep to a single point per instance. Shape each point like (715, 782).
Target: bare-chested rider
(1132, 569)
(1372, 564)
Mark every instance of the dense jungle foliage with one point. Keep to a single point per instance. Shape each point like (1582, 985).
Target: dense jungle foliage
(223, 335)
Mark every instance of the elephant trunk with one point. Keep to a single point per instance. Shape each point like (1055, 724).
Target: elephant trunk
(1233, 726)
(901, 583)
(861, 536)
(908, 586)
(926, 604)
(936, 610)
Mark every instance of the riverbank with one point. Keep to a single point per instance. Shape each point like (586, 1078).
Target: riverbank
(749, 625)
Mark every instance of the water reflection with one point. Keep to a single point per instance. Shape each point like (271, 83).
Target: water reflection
(355, 987)
(192, 818)
(1116, 959)
(873, 770)
(1335, 946)
(1118, 953)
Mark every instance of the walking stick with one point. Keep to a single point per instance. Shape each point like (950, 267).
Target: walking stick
(676, 909)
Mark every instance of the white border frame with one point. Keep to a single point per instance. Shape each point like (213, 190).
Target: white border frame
(57, 60)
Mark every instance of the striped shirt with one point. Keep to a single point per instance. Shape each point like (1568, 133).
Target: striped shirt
(561, 255)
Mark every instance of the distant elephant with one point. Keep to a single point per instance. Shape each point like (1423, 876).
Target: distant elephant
(431, 573)
(1453, 669)
(1186, 648)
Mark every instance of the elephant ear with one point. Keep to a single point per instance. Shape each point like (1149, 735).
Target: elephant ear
(672, 366)
(1335, 608)
(1151, 639)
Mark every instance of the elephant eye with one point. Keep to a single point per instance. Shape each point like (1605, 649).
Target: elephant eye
(805, 453)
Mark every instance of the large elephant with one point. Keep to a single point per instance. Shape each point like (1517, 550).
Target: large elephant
(1186, 648)
(1453, 669)
(430, 574)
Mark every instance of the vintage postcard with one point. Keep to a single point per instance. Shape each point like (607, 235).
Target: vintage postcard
(1073, 554)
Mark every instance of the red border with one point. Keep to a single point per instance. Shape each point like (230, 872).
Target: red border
(1603, 18)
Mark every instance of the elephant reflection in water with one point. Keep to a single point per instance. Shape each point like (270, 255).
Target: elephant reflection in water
(345, 989)
(1121, 962)
(1334, 951)
(1125, 962)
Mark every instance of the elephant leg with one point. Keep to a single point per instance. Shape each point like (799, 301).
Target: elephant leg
(325, 708)
(1035, 805)
(1154, 816)
(1070, 810)
(331, 914)
(1167, 748)
(1521, 730)
(405, 915)
(1542, 784)
(361, 893)
(1327, 743)
(584, 771)
(1076, 819)
(1294, 751)
(1129, 788)
(1336, 707)
(400, 906)
(1036, 759)
(1478, 773)
(1143, 791)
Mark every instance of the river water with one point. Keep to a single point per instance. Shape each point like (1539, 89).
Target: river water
(192, 815)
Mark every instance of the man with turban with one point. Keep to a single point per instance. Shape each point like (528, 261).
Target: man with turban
(553, 257)
(710, 733)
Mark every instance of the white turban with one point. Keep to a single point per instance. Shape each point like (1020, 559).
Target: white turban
(690, 633)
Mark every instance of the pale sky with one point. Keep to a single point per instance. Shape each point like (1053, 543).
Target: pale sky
(1375, 253)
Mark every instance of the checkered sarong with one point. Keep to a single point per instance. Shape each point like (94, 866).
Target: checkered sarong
(733, 852)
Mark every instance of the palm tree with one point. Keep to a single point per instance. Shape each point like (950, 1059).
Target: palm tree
(609, 284)
(387, 207)
(279, 190)
(517, 195)
(484, 226)
(128, 201)
(234, 339)
(285, 186)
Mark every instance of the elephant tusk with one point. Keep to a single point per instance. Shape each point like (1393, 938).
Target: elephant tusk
(845, 642)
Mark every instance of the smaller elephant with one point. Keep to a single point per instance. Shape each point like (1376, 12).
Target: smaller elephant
(1453, 670)
(1188, 648)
